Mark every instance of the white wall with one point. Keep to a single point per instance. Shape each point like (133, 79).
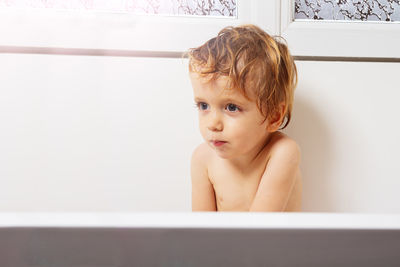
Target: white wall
(87, 133)
(346, 122)
(95, 133)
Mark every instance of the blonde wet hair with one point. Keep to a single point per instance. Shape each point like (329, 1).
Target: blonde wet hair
(252, 60)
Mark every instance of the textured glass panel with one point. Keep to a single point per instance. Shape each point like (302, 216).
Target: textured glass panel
(224, 8)
(363, 10)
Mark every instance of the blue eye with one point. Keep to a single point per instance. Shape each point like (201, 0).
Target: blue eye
(232, 108)
(202, 105)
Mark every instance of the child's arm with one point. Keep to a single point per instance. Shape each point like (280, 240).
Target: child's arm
(279, 177)
(203, 196)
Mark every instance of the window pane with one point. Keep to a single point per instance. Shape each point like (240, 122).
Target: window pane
(224, 8)
(356, 10)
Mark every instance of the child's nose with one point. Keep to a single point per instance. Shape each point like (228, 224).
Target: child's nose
(215, 122)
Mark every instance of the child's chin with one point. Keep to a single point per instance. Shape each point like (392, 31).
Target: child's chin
(223, 154)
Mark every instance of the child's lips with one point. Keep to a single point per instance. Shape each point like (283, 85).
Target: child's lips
(218, 142)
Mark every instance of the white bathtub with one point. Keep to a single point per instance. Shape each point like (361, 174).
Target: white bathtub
(198, 239)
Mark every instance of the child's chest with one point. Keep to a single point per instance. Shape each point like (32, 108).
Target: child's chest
(234, 190)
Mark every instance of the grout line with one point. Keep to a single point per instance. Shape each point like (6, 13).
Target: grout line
(159, 54)
(346, 59)
(87, 52)
(279, 18)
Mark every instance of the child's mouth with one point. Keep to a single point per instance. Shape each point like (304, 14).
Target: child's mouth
(218, 143)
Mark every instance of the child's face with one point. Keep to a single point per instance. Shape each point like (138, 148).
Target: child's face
(230, 123)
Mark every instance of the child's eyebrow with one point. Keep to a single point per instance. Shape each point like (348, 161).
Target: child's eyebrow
(197, 99)
(224, 100)
(234, 100)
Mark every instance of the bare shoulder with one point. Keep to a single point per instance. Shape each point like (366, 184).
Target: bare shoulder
(201, 154)
(201, 157)
(284, 147)
(203, 195)
(280, 185)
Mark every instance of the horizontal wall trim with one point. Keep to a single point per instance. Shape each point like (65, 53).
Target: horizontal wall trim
(159, 54)
(87, 52)
(350, 59)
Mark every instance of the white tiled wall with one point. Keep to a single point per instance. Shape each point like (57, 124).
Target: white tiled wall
(87, 133)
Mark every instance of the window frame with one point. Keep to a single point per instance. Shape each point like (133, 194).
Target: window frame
(122, 31)
(339, 39)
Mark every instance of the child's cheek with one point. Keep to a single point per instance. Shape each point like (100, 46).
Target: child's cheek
(203, 129)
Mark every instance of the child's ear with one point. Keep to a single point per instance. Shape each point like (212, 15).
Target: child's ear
(275, 121)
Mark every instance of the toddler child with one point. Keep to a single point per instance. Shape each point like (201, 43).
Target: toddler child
(243, 82)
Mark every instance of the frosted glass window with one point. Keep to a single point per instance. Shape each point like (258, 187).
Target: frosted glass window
(214, 8)
(355, 10)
